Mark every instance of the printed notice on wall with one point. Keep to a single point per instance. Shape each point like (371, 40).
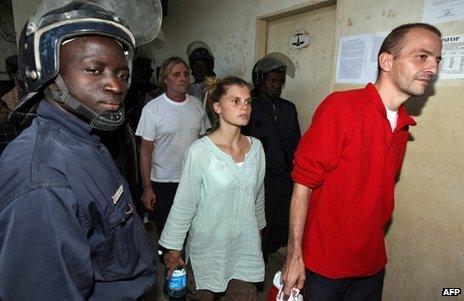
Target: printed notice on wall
(357, 58)
(436, 11)
(452, 63)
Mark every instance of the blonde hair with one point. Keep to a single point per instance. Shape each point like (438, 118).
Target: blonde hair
(217, 88)
(166, 67)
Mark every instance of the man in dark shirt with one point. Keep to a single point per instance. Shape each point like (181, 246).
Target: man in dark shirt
(68, 225)
(274, 121)
(201, 63)
(137, 95)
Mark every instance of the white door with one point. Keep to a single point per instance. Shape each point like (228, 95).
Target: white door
(313, 63)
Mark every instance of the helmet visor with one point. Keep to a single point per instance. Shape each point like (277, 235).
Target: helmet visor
(274, 61)
(143, 17)
(197, 45)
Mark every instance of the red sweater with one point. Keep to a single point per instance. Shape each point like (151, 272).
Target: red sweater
(350, 158)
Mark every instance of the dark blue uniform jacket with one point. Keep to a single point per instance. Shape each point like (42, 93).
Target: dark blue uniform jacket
(68, 227)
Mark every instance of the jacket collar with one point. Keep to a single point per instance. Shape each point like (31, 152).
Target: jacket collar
(68, 122)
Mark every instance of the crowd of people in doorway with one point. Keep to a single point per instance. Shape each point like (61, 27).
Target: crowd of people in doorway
(218, 165)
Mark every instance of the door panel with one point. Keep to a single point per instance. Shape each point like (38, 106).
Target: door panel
(313, 63)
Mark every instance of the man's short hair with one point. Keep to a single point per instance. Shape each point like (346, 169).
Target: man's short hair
(393, 43)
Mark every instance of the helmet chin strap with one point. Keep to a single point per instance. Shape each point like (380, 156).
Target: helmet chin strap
(100, 121)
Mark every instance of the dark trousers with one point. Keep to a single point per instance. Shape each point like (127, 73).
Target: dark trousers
(165, 193)
(320, 288)
(278, 192)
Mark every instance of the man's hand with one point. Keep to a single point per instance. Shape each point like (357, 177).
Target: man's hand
(173, 260)
(293, 273)
(148, 198)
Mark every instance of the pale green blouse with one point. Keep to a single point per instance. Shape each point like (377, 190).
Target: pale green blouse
(221, 206)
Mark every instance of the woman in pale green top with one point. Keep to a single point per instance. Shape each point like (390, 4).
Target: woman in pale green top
(220, 202)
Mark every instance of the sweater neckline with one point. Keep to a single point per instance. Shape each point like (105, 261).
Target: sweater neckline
(404, 119)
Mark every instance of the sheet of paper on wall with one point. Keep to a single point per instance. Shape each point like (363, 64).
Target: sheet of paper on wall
(436, 11)
(357, 58)
(452, 63)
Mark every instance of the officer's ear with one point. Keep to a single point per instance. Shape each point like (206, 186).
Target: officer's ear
(385, 61)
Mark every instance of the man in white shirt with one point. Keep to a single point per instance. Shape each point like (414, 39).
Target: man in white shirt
(168, 125)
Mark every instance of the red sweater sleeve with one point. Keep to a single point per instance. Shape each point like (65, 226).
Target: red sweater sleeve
(320, 148)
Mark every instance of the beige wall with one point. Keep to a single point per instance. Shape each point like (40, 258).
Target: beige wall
(426, 237)
(227, 26)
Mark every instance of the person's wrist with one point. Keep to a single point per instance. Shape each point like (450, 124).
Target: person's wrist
(147, 187)
(294, 251)
(162, 251)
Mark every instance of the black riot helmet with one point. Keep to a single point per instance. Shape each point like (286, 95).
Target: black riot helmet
(272, 62)
(40, 43)
(200, 51)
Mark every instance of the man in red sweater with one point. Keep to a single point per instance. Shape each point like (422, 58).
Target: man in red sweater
(345, 169)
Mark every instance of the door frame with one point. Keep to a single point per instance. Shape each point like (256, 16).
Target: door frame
(261, 23)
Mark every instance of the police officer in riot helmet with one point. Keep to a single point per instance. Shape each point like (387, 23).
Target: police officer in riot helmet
(274, 121)
(201, 60)
(201, 63)
(70, 231)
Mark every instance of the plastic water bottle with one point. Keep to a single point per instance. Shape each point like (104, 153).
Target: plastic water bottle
(176, 285)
